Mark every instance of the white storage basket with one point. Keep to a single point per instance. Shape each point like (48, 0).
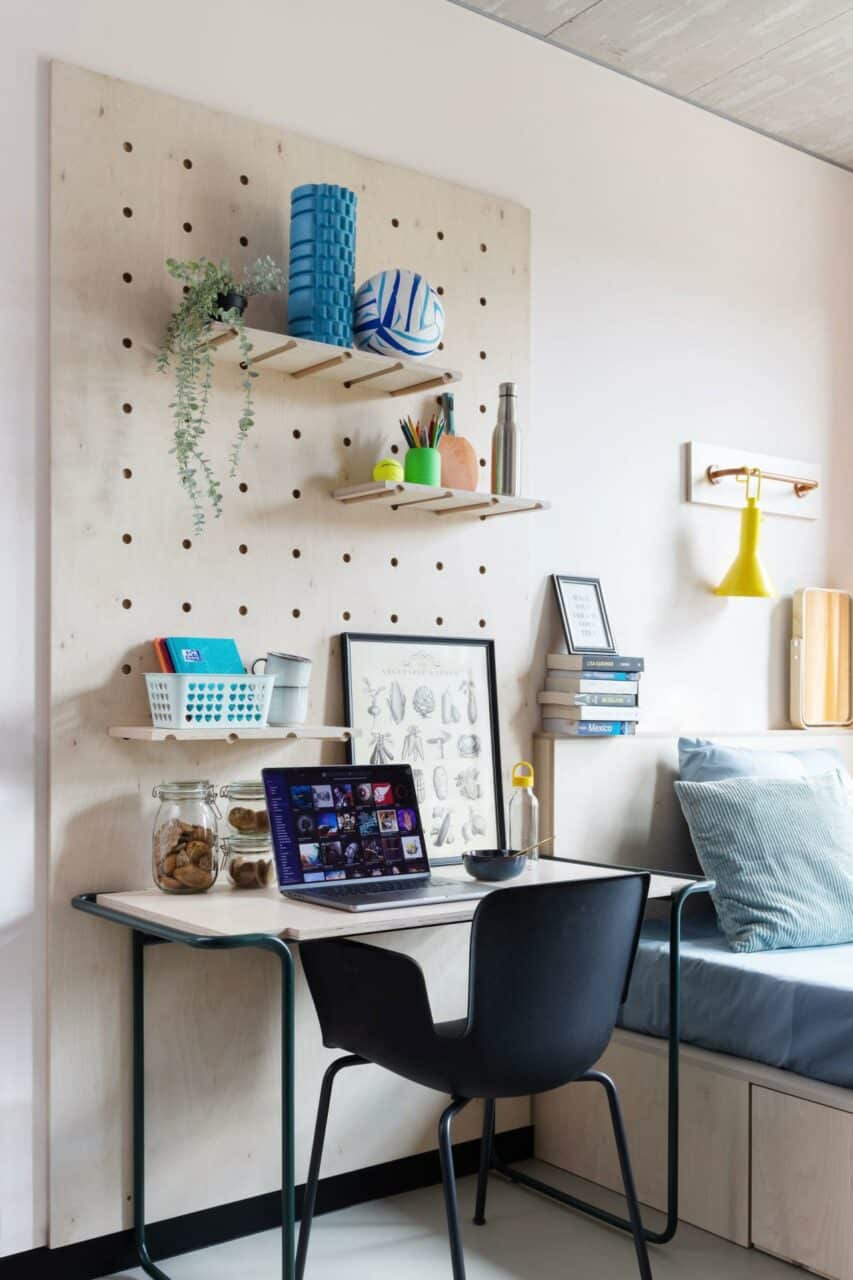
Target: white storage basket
(200, 702)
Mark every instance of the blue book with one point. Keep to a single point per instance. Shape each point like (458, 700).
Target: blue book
(588, 728)
(204, 656)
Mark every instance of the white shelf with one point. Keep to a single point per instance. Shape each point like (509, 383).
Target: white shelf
(363, 373)
(233, 733)
(437, 500)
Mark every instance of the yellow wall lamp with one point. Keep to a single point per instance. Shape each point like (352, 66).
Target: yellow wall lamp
(747, 575)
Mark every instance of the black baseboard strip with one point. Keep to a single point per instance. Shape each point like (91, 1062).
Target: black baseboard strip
(100, 1257)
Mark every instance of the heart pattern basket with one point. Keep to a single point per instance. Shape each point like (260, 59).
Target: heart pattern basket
(198, 702)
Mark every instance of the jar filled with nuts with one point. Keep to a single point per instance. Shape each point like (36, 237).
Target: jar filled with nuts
(248, 860)
(246, 813)
(186, 844)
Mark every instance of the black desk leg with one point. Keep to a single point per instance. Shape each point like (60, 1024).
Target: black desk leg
(264, 943)
(676, 906)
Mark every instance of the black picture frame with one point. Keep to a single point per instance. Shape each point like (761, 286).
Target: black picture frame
(350, 640)
(573, 641)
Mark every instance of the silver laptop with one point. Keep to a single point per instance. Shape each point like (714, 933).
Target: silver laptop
(350, 837)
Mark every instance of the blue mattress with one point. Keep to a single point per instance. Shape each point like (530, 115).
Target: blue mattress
(791, 1009)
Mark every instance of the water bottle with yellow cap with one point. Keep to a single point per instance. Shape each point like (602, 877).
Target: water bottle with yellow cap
(523, 809)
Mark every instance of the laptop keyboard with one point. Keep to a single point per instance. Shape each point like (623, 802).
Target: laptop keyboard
(366, 888)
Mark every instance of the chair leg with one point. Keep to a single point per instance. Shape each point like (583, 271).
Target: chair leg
(448, 1181)
(309, 1202)
(627, 1172)
(486, 1143)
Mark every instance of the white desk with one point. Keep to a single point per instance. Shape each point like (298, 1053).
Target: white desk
(229, 919)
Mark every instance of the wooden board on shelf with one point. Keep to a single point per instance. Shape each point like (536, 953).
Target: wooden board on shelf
(436, 500)
(361, 373)
(233, 733)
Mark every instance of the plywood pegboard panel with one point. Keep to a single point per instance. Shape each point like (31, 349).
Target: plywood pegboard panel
(126, 563)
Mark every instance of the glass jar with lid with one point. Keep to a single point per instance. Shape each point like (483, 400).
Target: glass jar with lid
(248, 860)
(186, 837)
(246, 813)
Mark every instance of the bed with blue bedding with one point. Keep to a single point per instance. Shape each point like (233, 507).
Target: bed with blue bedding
(791, 1008)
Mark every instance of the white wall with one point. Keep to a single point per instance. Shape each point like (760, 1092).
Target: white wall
(690, 280)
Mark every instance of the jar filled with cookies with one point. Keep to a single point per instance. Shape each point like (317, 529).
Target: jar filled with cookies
(246, 811)
(248, 860)
(186, 837)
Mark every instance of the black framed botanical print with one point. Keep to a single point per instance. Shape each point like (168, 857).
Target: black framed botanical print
(583, 613)
(431, 703)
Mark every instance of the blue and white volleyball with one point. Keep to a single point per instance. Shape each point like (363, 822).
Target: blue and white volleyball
(398, 313)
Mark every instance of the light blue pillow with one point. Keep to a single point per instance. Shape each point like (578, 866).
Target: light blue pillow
(781, 852)
(703, 761)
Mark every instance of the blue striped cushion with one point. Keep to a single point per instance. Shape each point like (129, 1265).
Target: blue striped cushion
(781, 852)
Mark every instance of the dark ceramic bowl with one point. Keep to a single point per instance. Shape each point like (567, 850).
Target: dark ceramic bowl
(494, 864)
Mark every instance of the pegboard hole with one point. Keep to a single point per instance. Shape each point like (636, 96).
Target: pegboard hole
(394, 562)
(296, 553)
(244, 180)
(482, 355)
(297, 434)
(297, 493)
(439, 565)
(482, 408)
(482, 462)
(187, 607)
(126, 669)
(395, 222)
(127, 211)
(394, 617)
(346, 557)
(441, 346)
(128, 146)
(243, 487)
(395, 448)
(188, 226)
(126, 538)
(127, 277)
(243, 610)
(126, 407)
(482, 302)
(244, 240)
(127, 473)
(347, 442)
(439, 235)
(440, 290)
(186, 544)
(297, 613)
(188, 164)
(243, 549)
(126, 603)
(483, 248)
(346, 615)
(439, 622)
(482, 568)
(127, 342)
(482, 622)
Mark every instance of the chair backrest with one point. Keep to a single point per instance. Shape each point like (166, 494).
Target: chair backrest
(550, 966)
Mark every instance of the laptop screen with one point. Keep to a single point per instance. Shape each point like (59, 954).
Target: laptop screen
(345, 822)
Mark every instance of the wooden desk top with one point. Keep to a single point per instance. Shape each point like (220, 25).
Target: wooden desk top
(225, 912)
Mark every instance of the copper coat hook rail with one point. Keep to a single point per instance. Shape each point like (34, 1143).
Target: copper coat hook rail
(802, 486)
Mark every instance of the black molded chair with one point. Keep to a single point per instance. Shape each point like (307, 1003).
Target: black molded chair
(549, 969)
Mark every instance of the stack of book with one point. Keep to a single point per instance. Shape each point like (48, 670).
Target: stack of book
(591, 695)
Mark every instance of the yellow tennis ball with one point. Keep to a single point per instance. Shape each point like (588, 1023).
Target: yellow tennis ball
(388, 469)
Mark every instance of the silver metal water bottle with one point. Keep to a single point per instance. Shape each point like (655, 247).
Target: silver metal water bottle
(506, 444)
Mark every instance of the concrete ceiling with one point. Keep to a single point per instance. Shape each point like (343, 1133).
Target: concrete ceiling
(784, 67)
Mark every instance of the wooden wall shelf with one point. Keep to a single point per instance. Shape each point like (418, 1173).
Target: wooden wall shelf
(361, 372)
(233, 733)
(439, 501)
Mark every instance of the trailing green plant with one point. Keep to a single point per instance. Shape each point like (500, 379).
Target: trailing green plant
(186, 348)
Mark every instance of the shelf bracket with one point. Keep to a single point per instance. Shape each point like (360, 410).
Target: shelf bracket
(324, 364)
(275, 351)
(423, 386)
(378, 373)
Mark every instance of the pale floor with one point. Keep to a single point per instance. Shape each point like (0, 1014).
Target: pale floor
(526, 1237)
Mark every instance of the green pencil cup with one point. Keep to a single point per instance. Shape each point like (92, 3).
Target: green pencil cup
(423, 466)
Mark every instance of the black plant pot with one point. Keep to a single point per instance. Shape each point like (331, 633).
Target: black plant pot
(231, 301)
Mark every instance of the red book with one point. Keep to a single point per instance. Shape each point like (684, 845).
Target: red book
(163, 657)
